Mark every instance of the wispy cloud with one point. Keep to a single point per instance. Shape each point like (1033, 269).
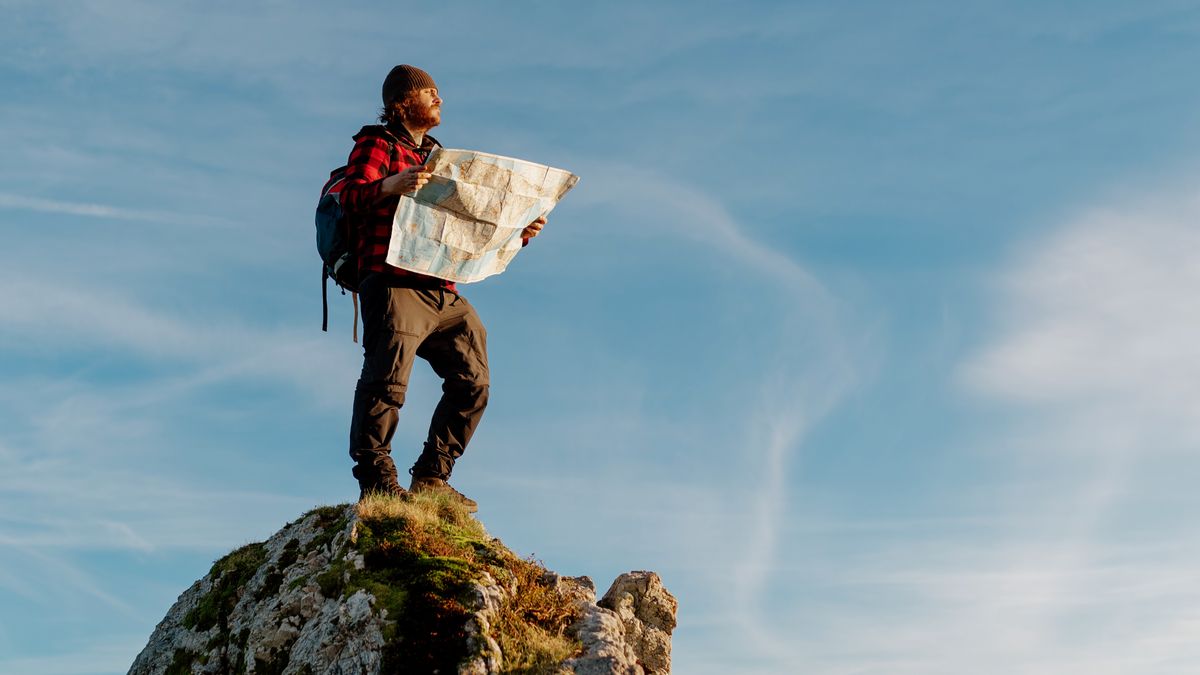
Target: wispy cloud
(1096, 344)
(44, 314)
(811, 363)
(1084, 561)
(1097, 320)
(82, 462)
(63, 582)
(25, 203)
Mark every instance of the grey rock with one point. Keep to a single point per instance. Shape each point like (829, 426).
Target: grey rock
(605, 651)
(280, 621)
(279, 614)
(484, 656)
(647, 612)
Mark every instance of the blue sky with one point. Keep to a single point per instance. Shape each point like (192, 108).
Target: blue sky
(870, 326)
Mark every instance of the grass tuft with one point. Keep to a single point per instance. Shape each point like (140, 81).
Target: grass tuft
(423, 511)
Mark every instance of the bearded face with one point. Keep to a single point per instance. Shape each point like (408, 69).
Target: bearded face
(421, 109)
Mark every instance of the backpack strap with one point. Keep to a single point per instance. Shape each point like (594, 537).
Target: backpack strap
(324, 298)
(325, 305)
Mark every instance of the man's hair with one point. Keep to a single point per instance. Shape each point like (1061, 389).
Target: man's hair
(405, 109)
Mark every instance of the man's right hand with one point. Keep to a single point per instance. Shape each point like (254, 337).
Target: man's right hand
(408, 180)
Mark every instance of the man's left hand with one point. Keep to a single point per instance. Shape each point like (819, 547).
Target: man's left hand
(531, 230)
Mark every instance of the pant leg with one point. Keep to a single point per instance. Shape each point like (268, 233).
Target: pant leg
(395, 321)
(457, 350)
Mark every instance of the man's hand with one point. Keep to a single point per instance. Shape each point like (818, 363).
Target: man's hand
(408, 180)
(531, 230)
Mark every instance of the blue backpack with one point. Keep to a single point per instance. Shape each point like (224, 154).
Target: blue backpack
(336, 241)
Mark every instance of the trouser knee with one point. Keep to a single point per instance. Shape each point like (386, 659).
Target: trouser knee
(372, 396)
(466, 395)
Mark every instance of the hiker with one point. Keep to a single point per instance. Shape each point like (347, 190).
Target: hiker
(406, 314)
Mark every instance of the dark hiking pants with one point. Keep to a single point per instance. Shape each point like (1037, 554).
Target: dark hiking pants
(400, 324)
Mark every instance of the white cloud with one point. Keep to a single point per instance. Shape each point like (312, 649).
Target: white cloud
(56, 314)
(1099, 323)
(25, 203)
(82, 462)
(1096, 345)
(1083, 558)
(799, 379)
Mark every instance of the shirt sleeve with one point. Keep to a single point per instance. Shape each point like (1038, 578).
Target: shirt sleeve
(368, 165)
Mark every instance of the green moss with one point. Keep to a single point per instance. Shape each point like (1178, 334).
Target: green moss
(229, 575)
(275, 575)
(239, 662)
(181, 663)
(420, 558)
(330, 520)
(328, 515)
(271, 583)
(419, 564)
(333, 580)
(289, 554)
(418, 576)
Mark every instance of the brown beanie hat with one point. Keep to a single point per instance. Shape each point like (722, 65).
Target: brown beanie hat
(404, 79)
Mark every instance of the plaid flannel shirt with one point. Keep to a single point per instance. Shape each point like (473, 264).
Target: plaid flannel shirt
(374, 158)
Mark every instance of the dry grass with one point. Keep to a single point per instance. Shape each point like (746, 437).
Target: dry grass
(426, 511)
(533, 622)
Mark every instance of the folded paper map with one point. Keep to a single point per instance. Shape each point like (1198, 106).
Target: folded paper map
(465, 223)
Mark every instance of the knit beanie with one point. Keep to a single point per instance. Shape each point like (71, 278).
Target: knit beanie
(404, 79)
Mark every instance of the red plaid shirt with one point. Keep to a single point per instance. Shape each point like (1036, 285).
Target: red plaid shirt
(374, 158)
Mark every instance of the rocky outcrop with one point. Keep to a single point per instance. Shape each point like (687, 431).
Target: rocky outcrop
(409, 589)
(629, 630)
(647, 614)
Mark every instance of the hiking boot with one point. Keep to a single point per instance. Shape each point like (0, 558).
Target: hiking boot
(440, 486)
(391, 489)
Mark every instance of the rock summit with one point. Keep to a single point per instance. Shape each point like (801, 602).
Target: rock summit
(394, 586)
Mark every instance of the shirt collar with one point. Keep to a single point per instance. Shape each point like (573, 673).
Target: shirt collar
(402, 135)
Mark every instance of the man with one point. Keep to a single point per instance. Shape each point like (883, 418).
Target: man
(405, 314)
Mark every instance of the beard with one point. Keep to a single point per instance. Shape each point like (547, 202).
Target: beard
(417, 115)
